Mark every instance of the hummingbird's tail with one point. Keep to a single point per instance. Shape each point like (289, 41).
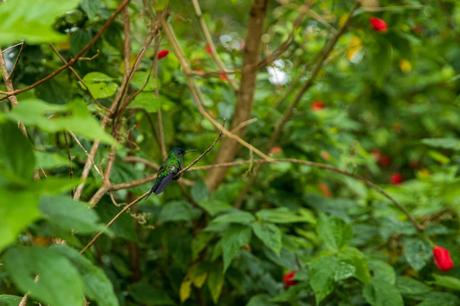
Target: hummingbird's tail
(161, 183)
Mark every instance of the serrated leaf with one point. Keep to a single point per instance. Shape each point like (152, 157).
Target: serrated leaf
(235, 216)
(70, 214)
(381, 293)
(411, 287)
(382, 271)
(59, 282)
(97, 286)
(334, 232)
(100, 85)
(215, 282)
(269, 234)
(232, 241)
(417, 252)
(322, 275)
(283, 215)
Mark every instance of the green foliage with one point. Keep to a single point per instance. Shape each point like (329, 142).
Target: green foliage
(383, 107)
(58, 282)
(32, 21)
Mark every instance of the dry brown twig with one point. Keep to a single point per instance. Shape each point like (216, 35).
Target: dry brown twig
(197, 96)
(207, 34)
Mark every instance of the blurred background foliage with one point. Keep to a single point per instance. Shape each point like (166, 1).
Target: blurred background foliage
(385, 106)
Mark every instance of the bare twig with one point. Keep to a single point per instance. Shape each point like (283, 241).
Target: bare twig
(121, 212)
(9, 86)
(73, 60)
(215, 56)
(196, 93)
(200, 157)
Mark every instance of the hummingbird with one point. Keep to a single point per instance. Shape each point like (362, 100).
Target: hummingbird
(168, 170)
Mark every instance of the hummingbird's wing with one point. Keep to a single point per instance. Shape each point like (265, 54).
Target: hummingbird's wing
(161, 183)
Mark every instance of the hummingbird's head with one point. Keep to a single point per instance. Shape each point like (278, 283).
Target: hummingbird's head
(178, 151)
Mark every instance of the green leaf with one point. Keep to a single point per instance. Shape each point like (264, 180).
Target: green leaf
(440, 299)
(215, 282)
(382, 271)
(381, 293)
(16, 155)
(417, 252)
(73, 116)
(100, 85)
(177, 211)
(322, 276)
(199, 191)
(232, 241)
(145, 294)
(284, 215)
(261, 300)
(150, 102)
(443, 143)
(69, 214)
(51, 160)
(334, 232)
(269, 234)
(59, 282)
(9, 300)
(447, 282)
(358, 260)
(235, 216)
(97, 286)
(32, 21)
(411, 287)
(18, 209)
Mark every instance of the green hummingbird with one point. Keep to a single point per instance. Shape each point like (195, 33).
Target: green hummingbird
(168, 170)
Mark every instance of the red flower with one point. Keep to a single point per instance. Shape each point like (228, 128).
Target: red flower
(379, 25)
(276, 150)
(223, 76)
(396, 178)
(288, 279)
(317, 105)
(382, 159)
(442, 258)
(162, 54)
(208, 48)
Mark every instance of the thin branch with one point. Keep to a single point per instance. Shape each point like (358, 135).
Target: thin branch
(121, 212)
(197, 96)
(314, 74)
(215, 56)
(200, 157)
(73, 60)
(9, 86)
(325, 167)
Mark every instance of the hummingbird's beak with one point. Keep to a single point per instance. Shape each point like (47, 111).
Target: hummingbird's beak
(191, 150)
